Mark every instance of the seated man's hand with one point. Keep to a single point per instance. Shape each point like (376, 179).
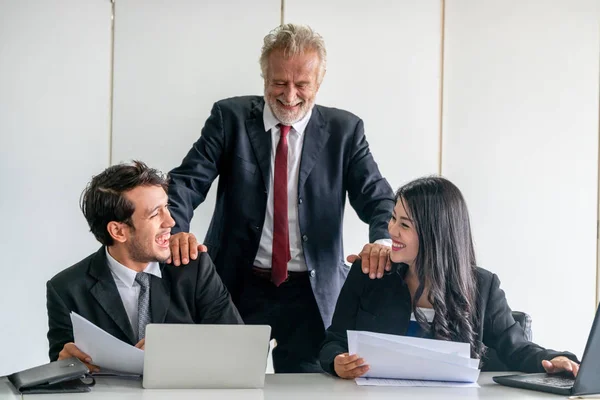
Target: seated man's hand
(375, 259)
(141, 344)
(184, 247)
(560, 364)
(349, 366)
(70, 350)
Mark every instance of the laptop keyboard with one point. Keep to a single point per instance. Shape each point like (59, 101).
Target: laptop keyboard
(556, 381)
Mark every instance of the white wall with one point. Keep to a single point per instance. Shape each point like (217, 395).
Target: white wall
(173, 60)
(520, 130)
(383, 65)
(520, 126)
(54, 119)
(167, 78)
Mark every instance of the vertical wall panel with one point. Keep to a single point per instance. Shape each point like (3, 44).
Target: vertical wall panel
(54, 126)
(173, 60)
(384, 66)
(521, 139)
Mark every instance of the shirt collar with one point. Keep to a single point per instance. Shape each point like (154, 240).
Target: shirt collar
(127, 275)
(271, 121)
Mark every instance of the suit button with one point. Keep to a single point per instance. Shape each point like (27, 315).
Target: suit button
(257, 228)
(304, 237)
(300, 200)
(312, 273)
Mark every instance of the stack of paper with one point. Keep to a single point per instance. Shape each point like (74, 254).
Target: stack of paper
(409, 358)
(105, 350)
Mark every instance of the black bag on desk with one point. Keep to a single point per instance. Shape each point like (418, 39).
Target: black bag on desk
(63, 376)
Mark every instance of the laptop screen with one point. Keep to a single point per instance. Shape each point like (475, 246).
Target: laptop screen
(587, 381)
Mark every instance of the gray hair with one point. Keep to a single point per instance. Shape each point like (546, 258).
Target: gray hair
(293, 39)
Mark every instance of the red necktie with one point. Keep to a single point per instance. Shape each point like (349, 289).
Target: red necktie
(281, 234)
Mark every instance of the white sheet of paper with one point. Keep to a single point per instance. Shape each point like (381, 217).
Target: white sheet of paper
(394, 359)
(106, 350)
(434, 352)
(442, 346)
(411, 383)
(394, 364)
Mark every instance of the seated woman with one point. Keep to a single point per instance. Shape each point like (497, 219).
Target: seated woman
(434, 290)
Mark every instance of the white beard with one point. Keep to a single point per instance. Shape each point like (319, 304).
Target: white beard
(288, 117)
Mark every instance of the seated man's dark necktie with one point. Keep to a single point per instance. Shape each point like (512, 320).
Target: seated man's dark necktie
(281, 236)
(143, 279)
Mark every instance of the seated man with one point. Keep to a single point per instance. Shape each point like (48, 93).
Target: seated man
(126, 284)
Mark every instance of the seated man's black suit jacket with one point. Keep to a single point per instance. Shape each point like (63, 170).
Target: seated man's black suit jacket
(191, 294)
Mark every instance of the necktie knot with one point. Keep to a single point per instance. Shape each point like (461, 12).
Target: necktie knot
(143, 279)
(285, 129)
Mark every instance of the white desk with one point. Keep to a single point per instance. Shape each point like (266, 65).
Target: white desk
(288, 387)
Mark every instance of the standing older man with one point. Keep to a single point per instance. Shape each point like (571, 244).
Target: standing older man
(285, 167)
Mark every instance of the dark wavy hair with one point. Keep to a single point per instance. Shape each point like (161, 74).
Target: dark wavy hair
(446, 259)
(103, 199)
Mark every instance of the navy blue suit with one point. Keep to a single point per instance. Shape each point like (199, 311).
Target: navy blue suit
(335, 161)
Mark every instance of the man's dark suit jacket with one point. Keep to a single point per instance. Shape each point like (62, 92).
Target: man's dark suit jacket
(189, 295)
(335, 161)
(384, 306)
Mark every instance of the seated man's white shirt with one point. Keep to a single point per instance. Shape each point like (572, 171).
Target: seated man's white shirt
(128, 288)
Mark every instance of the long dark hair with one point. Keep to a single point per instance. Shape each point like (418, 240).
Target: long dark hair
(446, 259)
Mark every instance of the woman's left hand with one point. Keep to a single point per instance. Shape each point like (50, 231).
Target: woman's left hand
(560, 364)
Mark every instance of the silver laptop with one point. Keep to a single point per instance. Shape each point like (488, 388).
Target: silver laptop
(180, 356)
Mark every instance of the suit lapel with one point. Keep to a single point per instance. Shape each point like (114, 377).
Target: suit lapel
(107, 295)
(160, 298)
(397, 298)
(260, 141)
(316, 137)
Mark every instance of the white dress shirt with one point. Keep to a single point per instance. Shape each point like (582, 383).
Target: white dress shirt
(129, 289)
(295, 143)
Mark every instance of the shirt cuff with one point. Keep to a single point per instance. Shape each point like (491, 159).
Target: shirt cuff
(385, 242)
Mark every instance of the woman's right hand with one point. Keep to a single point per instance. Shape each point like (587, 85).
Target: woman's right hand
(349, 366)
